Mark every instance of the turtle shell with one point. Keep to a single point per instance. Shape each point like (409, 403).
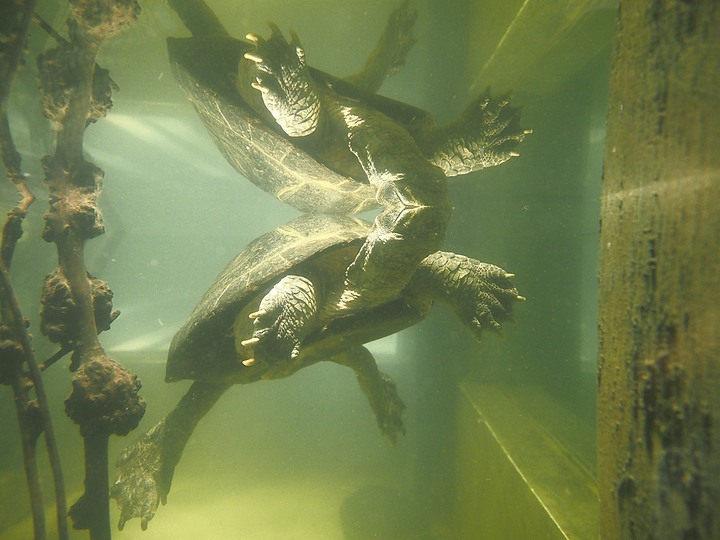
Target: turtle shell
(205, 67)
(204, 347)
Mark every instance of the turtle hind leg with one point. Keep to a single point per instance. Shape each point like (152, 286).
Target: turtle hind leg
(145, 468)
(198, 18)
(485, 135)
(281, 322)
(379, 388)
(389, 54)
(480, 294)
(138, 487)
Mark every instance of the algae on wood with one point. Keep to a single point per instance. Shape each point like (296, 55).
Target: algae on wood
(659, 395)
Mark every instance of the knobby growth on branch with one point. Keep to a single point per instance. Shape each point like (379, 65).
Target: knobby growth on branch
(76, 306)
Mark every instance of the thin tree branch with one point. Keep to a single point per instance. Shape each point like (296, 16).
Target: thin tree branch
(33, 415)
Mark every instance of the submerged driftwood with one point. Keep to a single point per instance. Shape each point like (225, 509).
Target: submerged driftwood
(75, 306)
(104, 399)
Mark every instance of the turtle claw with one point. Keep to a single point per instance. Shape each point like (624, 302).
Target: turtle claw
(279, 322)
(486, 298)
(257, 86)
(257, 314)
(248, 362)
(485, 135)
(254, 57)
(497, 121)
(271, 343)
(481, 294)
(275, 29)
(284, 82)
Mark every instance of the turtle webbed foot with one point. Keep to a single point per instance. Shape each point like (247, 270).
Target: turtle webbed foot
(486, 135)
(139, 487)
(484, 299)
(496, 125)
(481, 294)
(379, 388)
(390, 53)
(398, 37)
(389, 409)
(284, 82)
(281, 320)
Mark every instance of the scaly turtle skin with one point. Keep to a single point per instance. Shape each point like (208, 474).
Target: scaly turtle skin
(332, 146)
(279, 297)
(293, 170)
(281, 305)
(206, 67)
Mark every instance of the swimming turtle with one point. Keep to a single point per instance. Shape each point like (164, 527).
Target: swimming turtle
(327, 145)
(279, 294)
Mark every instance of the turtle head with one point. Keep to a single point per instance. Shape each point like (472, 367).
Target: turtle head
(284, 82)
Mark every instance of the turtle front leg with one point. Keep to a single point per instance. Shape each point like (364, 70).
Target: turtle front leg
(379, 388)
(281, 321)
(145, 468)
(416, 208)
(485, 135)
(277, 69)
(480, 294)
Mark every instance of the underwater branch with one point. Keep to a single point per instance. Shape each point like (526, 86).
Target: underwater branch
(19, 368)
(77, 306)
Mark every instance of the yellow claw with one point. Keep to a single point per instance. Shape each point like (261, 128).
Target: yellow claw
(249, 362)
(252, 36)
(257, 314)
(520, 298)
(250, 342)
(254, 57)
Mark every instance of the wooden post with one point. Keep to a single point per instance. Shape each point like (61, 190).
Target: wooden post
(659, 385)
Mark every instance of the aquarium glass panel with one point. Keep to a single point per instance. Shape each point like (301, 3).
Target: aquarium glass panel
(463, 134)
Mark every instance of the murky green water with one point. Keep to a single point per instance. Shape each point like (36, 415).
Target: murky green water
(301, 458)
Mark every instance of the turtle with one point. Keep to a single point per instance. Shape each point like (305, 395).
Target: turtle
(282, 286)
(327, 145)
(290, 299)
